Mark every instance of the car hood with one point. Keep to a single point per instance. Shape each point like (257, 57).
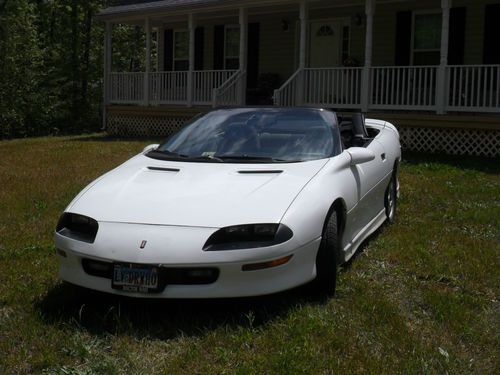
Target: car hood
(149, 191)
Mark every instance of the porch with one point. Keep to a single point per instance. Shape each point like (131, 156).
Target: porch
(398, 56)
(322, 73)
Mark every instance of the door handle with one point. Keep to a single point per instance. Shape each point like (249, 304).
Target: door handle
(382, 156)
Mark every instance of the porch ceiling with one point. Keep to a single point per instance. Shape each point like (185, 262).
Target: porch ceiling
(205, 9)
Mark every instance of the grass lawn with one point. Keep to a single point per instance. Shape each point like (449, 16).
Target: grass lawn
(421, 297)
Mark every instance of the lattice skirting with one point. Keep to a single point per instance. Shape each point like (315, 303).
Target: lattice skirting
(144, 125)
(451, 141)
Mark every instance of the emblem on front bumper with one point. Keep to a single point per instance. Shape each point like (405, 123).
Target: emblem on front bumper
(143, 244)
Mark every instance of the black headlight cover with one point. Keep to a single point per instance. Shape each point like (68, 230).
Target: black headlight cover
(77, 227)
(248, 236)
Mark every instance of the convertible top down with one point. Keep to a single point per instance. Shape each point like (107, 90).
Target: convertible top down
(240, 202)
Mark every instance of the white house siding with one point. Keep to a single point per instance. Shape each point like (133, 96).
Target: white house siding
(277, 47)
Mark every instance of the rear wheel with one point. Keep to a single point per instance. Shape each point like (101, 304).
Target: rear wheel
(390, 199)
(326, 260)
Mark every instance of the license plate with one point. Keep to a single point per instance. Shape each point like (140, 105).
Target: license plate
(135, 277)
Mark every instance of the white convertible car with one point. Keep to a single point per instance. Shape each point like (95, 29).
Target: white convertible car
(240, 202)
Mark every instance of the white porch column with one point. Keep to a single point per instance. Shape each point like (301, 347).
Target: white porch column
(304, 19)
(191, 27)
(147, 27)
(441, 92)
(365, 83)
(108, 55)
(243, 17)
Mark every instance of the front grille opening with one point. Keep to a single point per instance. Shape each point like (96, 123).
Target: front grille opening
(168, 275)
(190, 276)
(98, 268)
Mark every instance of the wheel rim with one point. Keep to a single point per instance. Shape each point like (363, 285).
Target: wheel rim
(391, 200)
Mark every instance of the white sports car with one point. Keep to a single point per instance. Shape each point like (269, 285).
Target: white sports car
(240, 202)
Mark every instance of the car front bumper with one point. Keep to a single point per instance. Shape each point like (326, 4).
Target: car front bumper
(180, 247)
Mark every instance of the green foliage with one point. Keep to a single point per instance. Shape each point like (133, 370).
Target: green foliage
(50, 67)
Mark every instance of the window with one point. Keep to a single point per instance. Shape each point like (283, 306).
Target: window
(232, 47)
(426, 41)
(181, 50)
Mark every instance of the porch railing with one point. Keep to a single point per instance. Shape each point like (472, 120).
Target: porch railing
(286, 95)
(126, 88)
(473, 88)
(230, 93)
(332, 87)
(204, 82)
(168, 87)
(404, 87)
(454, 88)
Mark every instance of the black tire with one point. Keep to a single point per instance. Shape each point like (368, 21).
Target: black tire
(391, 199)
(326, 259)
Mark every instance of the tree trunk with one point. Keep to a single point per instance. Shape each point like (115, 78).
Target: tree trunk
(86, 55)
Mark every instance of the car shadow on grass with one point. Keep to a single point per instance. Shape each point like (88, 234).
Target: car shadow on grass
(101, 313)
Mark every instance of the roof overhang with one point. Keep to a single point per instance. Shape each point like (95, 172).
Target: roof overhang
(172, 8)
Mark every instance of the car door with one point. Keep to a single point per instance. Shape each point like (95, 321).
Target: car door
(370, 190)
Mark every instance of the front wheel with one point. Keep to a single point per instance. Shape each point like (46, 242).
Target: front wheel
(390, 199)
(326, 260)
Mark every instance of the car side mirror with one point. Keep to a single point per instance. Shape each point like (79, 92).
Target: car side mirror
(150, 148)
(360, 155)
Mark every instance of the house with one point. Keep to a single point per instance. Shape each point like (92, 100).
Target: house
(430, 66)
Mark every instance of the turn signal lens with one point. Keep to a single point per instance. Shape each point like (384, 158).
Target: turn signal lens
(270, 264)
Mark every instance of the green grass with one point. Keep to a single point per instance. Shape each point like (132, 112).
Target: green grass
(421, 296)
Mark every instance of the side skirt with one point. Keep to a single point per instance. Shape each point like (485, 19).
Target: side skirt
(371, 227)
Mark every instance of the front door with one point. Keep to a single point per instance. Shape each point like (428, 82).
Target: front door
(325, 44)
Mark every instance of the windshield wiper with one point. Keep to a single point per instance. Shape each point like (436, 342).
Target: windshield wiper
(168, 155)
(251, 158)
(206, 158)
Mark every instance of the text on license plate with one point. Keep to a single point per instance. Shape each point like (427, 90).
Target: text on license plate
(134, 277)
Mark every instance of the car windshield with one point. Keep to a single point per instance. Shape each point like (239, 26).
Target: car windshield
(255, 135)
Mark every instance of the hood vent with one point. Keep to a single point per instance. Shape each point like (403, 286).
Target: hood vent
(261, 171)
(161, 169)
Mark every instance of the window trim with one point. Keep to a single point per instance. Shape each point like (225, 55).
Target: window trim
(174, 59)
(412, 41)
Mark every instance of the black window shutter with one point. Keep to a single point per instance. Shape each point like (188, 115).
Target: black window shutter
(168, 52)
(491, 52)
(456, 39)
(253, 54)
(403, 38)
(219, 47)
(199, 47)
